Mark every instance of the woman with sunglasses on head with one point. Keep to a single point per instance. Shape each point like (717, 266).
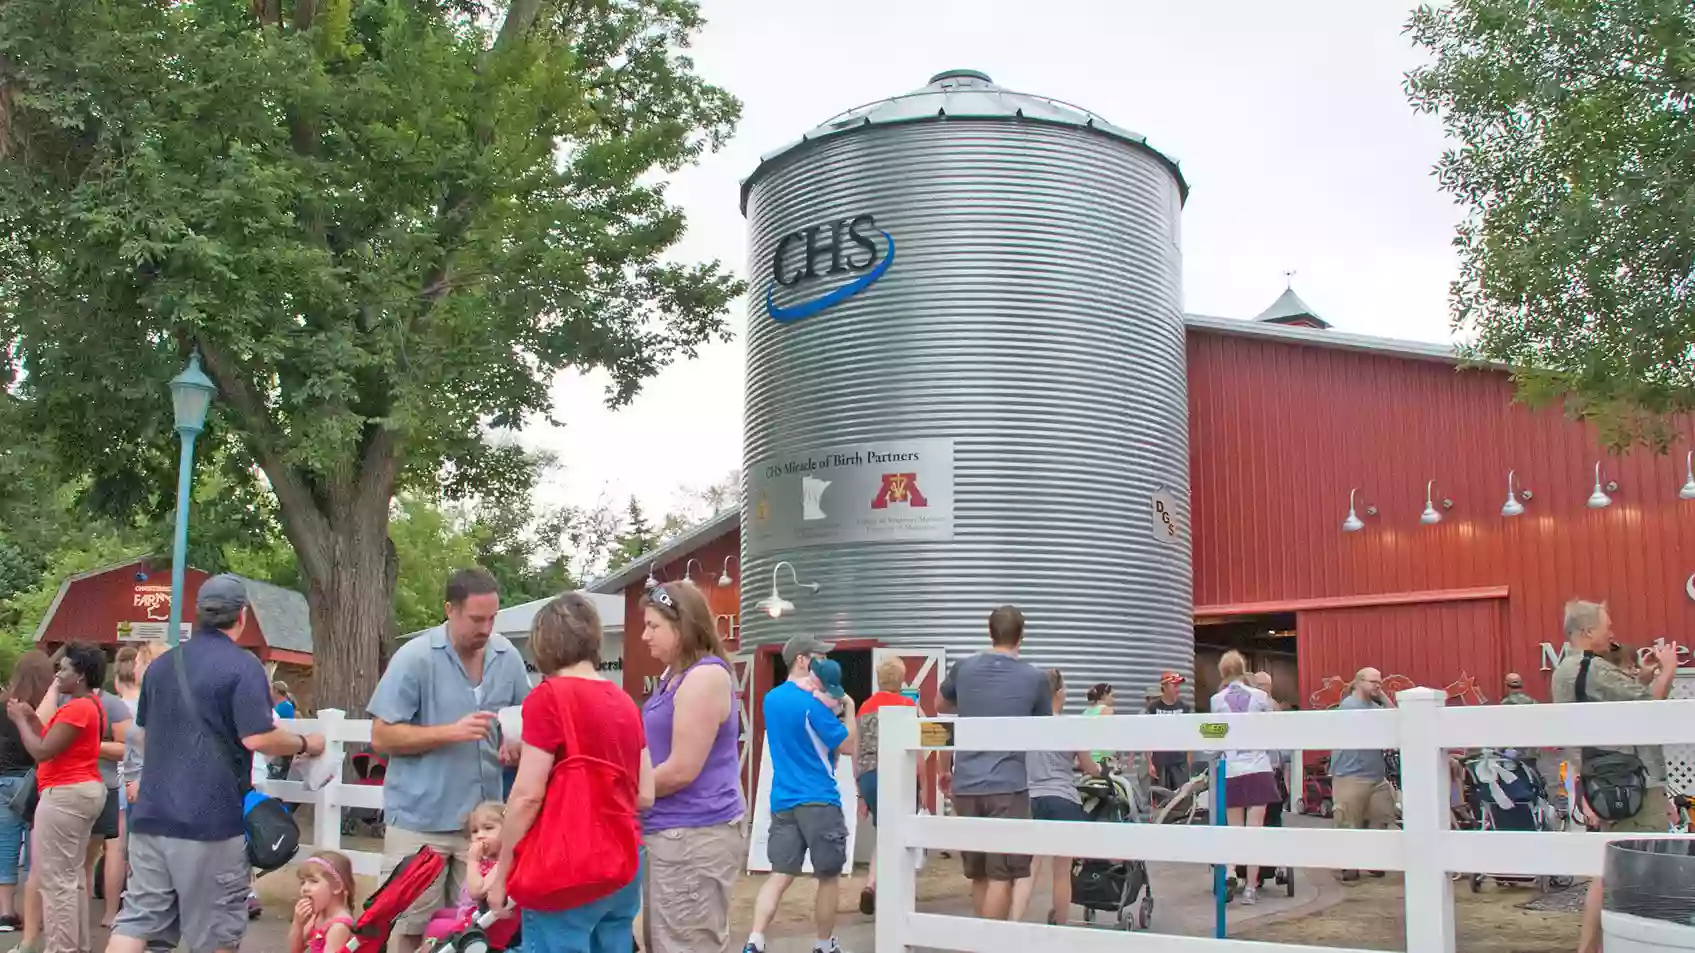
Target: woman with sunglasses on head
(695, 847)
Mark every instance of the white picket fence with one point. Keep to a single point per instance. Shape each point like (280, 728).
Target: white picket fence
(329, 801)
(1424, 848)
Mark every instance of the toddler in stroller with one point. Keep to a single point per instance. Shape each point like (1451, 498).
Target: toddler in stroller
(1112, 886)
(415, 875)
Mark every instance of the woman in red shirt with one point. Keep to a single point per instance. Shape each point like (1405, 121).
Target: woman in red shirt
(67, 772)
(571, 844)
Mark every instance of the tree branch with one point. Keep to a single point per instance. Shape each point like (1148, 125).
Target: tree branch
(303, 522)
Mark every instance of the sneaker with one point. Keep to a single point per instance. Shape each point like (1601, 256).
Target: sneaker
(10, 924)
(254, 908)
(751, 948)
(831, 946)
(1250, 897)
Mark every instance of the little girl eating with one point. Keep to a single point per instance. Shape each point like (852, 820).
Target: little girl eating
(483, 826)
(323, 917)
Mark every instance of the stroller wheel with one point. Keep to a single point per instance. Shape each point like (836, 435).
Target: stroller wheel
(1145, 913)
(1326, 808)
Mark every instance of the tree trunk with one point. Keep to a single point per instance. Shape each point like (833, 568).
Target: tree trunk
(352, 613)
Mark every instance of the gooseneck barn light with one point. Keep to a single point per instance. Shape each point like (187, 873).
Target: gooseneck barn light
(1688, 491)
(724, 577)
(1512, 507)
(652, 580)
(688, 574)
(774, 605)
(1352, 524)
(1430, 517)
(1599, 499)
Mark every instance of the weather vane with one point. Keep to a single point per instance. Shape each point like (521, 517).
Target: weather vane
(1289, 280)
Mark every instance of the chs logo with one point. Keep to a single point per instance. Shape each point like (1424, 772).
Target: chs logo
(827, 244)
(899, 488)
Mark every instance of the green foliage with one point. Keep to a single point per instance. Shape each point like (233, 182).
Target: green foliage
(430, 545)
(1574, 155)
(638, 538)
(386, 224)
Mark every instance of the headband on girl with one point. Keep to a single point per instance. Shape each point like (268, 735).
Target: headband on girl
(329, 868)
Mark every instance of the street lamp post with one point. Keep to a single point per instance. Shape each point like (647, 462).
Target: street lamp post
(191, 396)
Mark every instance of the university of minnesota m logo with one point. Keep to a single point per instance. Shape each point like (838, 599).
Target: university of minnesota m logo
(899, 488)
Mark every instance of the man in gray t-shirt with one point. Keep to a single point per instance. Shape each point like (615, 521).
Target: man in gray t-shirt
(993, 684)
(1359, 786)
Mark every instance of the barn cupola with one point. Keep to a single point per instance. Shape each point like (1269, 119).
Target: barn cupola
(1291, 311)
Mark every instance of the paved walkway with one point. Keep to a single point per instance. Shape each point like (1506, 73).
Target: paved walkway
(1183, 906)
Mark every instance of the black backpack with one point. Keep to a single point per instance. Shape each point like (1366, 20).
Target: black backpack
(1615, 783)
(273, 835)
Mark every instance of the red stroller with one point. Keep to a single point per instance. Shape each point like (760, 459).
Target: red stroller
(415, 875)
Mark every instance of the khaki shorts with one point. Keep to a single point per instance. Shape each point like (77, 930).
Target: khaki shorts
(691, 872)
(400, 844)
(1654, 818)
(192, 893)
(1003, 867)
(1362, 803)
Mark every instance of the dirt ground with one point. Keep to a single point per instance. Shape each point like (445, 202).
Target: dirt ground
(939, 880)
(1372, 917)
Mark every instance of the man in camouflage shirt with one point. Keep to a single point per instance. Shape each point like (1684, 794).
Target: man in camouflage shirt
(1516, 694)
(1589, 633)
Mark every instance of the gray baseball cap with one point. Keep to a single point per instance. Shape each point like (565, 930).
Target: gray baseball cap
(805, 645)
(222, 594)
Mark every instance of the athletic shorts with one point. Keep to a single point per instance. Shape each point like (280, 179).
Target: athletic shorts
(106, 825)
(816, 829)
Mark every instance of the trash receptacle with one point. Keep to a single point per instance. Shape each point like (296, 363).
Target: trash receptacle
(1650, 896)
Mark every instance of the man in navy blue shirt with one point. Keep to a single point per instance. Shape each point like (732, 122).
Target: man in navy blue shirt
(187, 838)
(805, 736)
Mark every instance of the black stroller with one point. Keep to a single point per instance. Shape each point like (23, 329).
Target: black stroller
(1505, 792)
(1112, 886)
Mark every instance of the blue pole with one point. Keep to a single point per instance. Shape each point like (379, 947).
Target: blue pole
(1220, 872)
(179, 549)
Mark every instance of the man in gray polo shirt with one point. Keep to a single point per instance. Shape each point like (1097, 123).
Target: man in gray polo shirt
(434, 716)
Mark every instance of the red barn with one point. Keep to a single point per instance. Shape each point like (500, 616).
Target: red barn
(131, 602)
(1286, 418)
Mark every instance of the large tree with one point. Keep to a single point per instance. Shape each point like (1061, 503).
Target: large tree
(1573, 125)
(385, 224)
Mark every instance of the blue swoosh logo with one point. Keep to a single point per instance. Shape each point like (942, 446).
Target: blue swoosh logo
(807, 309)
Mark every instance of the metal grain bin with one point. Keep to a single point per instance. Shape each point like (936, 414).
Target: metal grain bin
(966, 384)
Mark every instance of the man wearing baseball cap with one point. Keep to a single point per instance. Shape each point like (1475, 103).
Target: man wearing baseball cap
(805, 736)
(206, 705)
(1169, 769)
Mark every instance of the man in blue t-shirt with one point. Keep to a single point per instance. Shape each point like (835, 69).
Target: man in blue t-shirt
(805, 735)
(187, 835)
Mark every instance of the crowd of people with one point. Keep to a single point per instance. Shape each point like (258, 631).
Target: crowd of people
(604, 826)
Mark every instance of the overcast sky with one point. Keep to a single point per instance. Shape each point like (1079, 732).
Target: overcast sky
(1299, 147)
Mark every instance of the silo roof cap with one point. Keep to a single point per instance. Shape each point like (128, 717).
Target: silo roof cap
(959, 94)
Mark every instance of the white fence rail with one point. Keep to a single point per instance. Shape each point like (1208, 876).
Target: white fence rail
(1425, 848)
(329, 801)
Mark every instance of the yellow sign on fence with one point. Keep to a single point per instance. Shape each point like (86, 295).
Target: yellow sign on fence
(935, 734)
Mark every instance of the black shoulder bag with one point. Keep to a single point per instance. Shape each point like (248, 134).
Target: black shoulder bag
(1615, 783)
(272, 833)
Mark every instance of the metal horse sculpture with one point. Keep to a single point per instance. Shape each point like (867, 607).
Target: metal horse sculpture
(1465, 690)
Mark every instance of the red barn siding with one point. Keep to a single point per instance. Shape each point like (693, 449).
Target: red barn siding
(725, 602)
(1433, 644)
(91, 607)
(1279, 433)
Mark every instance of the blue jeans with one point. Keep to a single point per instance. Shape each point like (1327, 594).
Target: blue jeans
(604, 926)
(11, 831)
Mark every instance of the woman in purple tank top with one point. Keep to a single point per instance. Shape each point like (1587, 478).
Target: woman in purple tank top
(693, 832)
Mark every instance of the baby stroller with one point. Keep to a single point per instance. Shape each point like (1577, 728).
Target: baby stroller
(415, 875)
(1186, 805)
(368, 769)
(1112, 886)
(1506, 793)
(487, 931)
(1316, 797)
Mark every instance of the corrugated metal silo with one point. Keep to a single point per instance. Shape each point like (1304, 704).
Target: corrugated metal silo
(966, 384)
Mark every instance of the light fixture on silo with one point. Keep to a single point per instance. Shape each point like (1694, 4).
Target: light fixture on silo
(1353, 523)
(1688, 491)
(1512, 507)
(724, 578)
(1430, 517)
(1599, 499)
(775, 605)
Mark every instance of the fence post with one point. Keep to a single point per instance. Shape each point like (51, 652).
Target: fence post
(897, 805)
(326, 804)
(1425, 818)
